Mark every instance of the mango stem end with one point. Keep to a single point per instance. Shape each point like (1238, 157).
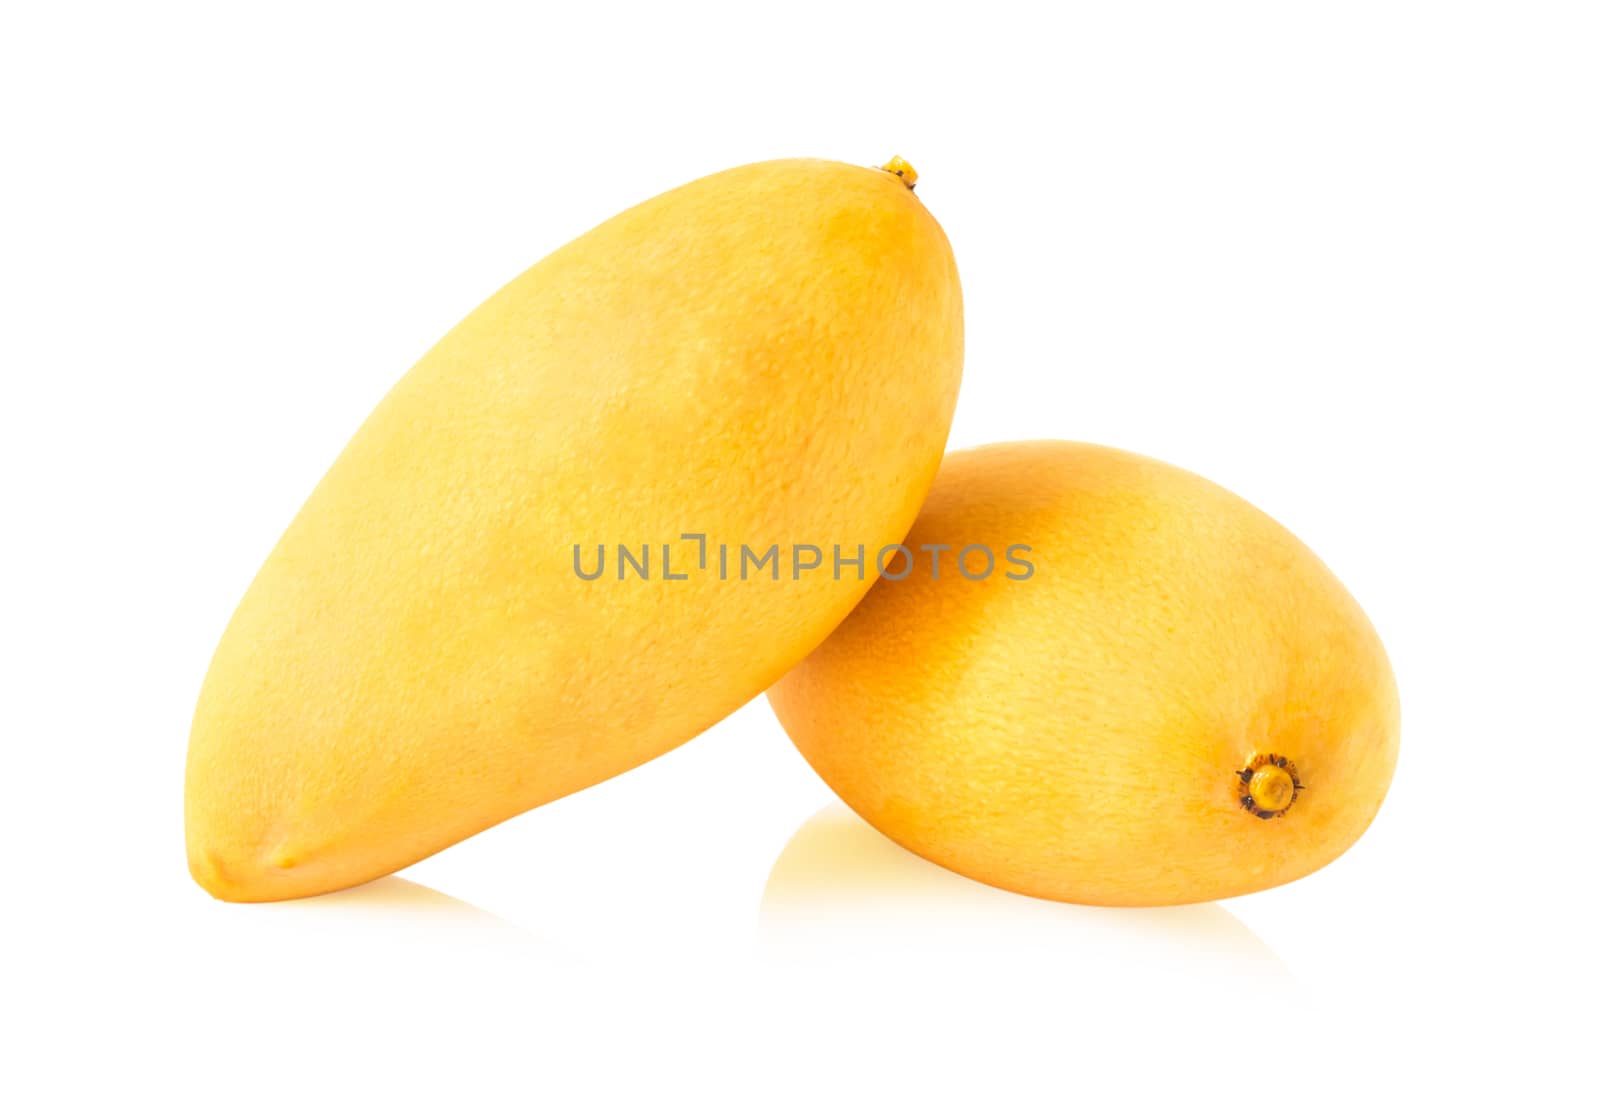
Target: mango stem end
(902, 170)
(1268, 786)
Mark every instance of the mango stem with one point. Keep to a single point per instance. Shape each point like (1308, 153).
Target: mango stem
(902, 170)
(1268, 785)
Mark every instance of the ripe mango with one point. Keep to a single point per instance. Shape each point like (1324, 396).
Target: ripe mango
(1167, 698)
(769, 355)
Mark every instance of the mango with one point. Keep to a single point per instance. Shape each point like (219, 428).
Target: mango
(765, 357)
(1151, 694)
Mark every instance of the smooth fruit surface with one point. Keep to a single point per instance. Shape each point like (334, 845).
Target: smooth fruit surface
(770, 355)
(1091, 732)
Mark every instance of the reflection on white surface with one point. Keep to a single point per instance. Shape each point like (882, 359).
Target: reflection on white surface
(841, 892)
(391, 900)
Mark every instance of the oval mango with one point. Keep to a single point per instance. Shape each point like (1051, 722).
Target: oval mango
(1152, 694)
(767, 356)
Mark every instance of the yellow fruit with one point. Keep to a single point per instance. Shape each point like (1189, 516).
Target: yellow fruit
(1180, 702)
(768, 356)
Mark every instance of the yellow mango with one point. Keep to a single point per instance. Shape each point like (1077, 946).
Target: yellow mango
(767, 356)
(1165, 698)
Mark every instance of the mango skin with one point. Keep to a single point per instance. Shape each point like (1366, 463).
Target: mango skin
(770, 354)
(1078, 735)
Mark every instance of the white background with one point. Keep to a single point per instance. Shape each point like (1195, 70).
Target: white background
(1342, 258)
